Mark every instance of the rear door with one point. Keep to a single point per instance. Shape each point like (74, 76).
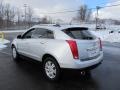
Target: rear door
(88, 44)
(40, 38)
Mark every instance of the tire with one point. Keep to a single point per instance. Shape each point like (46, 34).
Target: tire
(51, 69)
(15, 54)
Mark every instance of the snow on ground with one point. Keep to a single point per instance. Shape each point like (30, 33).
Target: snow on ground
(13, 31)
(2, 43)
(105, 35)
(2, 46)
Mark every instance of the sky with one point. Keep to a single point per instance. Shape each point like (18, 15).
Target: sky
(41, 7)
(94, 3)
(111, 12)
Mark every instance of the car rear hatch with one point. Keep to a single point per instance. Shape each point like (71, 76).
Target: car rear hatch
(87, 44)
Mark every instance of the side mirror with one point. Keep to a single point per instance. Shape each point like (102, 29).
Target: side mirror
(19, 37)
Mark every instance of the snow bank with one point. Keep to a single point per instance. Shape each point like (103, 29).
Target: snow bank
(2, 46)
(13, 31)
(107, 36)
(2, 43)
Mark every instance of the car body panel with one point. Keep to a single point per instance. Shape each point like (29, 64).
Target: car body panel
(59, 49)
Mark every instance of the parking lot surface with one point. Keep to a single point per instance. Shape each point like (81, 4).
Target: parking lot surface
(28, 75)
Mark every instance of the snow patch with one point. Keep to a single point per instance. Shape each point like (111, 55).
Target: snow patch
(13, 31)
(2, 46)
(107, 36)
(2, 43)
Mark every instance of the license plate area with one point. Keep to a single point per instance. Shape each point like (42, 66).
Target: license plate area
(92, 52)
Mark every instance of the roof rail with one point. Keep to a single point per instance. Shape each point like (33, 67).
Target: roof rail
(46, 24)
(56, 25)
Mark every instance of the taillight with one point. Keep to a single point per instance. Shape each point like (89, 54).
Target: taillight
(74, 49)
(100, 42)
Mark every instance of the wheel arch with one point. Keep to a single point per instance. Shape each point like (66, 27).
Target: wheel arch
(49, 55)
(12, 45)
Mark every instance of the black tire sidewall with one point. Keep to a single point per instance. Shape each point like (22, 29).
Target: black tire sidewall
(57, 77)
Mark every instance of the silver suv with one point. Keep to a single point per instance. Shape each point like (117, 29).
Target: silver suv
(59, 46)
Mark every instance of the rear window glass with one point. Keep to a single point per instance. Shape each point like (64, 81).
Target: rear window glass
(79, 33)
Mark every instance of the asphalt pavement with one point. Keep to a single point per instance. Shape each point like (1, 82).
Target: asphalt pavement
(28, 75)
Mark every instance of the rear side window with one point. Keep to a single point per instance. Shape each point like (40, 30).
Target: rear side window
(79, 33)
(42, 33)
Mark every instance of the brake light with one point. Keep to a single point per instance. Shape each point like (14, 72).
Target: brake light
(74, 49)
(100, 42)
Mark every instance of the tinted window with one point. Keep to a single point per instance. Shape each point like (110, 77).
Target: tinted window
(42, 33)
(28, 34)
(50, 34)
(79, 33)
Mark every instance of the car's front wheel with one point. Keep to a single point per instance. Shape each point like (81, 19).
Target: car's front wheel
(51, 69)
(15, 55)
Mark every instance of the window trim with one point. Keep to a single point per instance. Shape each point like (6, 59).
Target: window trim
(47, 30)
(79, 29)
(34, 29)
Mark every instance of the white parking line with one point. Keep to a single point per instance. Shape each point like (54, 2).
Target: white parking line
(5, 53)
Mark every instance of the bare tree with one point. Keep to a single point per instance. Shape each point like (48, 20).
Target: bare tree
(44, 20)
(84, 13)
(88, 15)
(18, 15)
(29, 16)
(9, 14)
(1, 13)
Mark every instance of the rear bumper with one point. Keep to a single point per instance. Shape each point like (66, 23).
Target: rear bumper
(90, 64)
(91, 67)
(84, 69)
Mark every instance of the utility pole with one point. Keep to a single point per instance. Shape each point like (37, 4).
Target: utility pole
(97, 14)
(25, 6)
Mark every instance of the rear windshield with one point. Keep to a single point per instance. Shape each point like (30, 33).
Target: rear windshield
(79, 33)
